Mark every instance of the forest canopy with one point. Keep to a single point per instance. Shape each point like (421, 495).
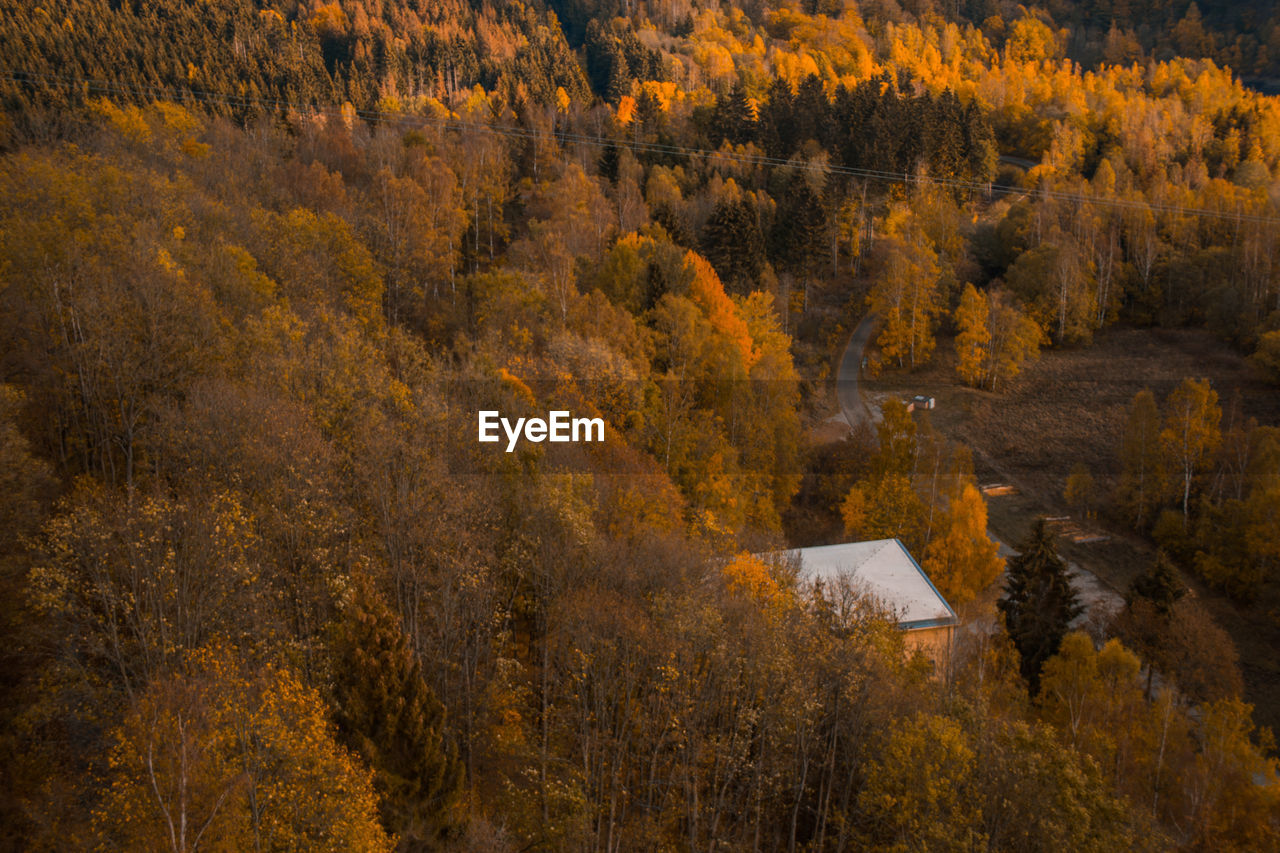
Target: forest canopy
(261, 264)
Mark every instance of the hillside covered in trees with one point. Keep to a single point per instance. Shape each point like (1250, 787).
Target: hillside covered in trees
(262, 263)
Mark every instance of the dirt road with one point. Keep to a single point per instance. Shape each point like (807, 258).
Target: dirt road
(851, 402)
(1099, 600)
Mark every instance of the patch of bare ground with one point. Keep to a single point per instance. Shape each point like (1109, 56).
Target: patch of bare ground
(1070, 407)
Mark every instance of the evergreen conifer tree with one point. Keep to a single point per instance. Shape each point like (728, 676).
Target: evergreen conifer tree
(734, 119)
(731, 241)
(1159, 585)
(799, 236)
(1146, 624)
(811, 115)
(608, 163)
(776, 130)
(388, 713)
(1038, 602)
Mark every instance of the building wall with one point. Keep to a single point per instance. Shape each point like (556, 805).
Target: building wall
(933, 642)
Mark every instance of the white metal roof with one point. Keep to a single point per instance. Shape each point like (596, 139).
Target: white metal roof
(884, 569)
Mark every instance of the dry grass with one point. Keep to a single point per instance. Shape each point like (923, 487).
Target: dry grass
(1070, 407)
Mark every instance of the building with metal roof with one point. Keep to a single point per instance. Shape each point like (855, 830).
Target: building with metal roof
(883, 569)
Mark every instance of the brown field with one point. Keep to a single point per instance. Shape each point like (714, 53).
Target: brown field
(1070, 407)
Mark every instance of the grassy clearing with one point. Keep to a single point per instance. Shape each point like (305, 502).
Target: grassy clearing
(1071, 407)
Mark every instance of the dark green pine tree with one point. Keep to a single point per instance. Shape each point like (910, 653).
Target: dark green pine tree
(619, 82)
(1159, 585)
(674, 224)
(945, 135)
(1038, 602)
(731, 241)
(982, 155)
(812, 114)
(776, 128)
(601, 53)
(655, 286)
(608, 163)
(799, 237)
(388, 713)
(649, 117)
(1147, 621)
(734, 119)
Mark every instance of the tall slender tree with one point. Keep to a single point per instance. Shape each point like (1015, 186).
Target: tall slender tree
(1038, 602)
(734, 118)
(388, 713)
(1143, 479)
(1192, 432)
(731, 241)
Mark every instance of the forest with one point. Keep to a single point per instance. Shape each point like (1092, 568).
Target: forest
(262, 263)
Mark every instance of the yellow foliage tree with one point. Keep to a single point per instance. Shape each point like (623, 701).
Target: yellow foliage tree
(907, 299)
(750, 577)
(1015, 340)
(1234, 811)
(224, 758)
(1143, 479)
(1191, 432)
(1080, 489)
(919, 791)
(707, 293)
(973, 338)
(962, 559)
(884, 509)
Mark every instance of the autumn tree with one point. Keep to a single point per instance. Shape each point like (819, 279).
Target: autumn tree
(222, 756)
(1056, 282)
(417, 226)
(1094, 697)
(119, 321)
(1071, 685)
(763, 421)
(1191, 433)
(137, 586)
(1080, 489)
(1267, 355)
(884, 509)
(1231, 809)
(570, 218)
(749, 576)
(973, 336)
(994, 338)
(962, 560)
(1038, 602)
(896, 443)
(919, 790)
(1142, 476)
(1035, 791)
(906, 297)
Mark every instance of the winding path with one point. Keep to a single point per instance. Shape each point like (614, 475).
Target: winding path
(851, 402)
(1020, 162)
(1100, 601)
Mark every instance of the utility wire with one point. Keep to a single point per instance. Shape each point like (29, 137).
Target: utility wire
(516, 132)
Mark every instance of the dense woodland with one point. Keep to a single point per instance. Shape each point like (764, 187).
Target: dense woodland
(261, 263)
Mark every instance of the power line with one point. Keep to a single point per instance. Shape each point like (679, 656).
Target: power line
(517, 132)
